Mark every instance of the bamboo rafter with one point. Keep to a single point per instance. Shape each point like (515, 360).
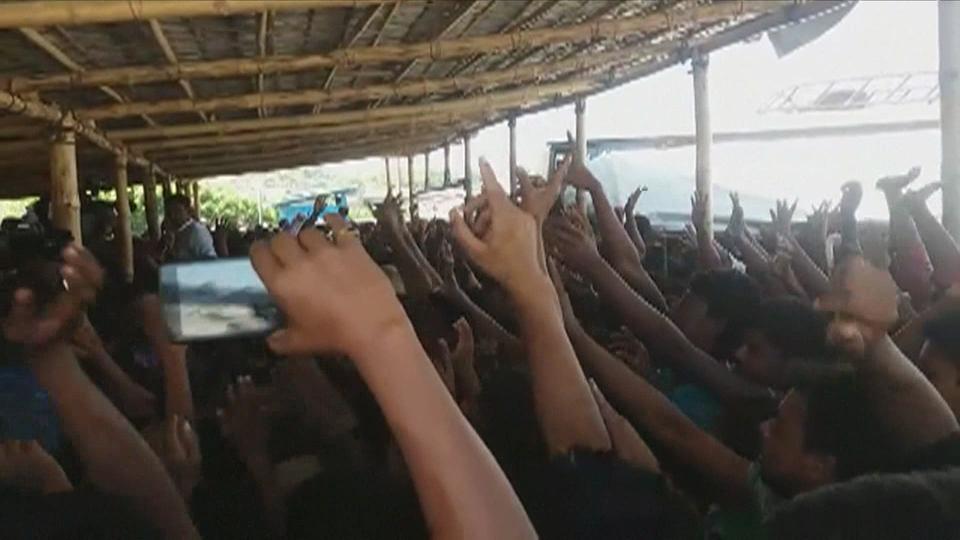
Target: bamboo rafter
(341, 96)
(603, 29)
(45, 13)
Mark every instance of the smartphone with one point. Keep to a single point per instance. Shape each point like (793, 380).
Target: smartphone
(216, 299)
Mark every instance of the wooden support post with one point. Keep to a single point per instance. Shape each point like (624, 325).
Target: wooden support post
(196, 198)
(386, 165)
(124, 233)
(64, 189)
(165, 184)
(411, 204)
(150, 204)
(446, 164)
(467, 167)
(426, 170)
(701, 101)
(514, 182)
(949, 27)
(580, 153)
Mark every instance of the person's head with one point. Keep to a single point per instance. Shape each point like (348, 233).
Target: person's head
(822, 434)
(713, 312)
(176, 210)
(779, 330)
(940, 357)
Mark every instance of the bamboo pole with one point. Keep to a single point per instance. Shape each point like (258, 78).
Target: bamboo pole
(78, 12)
(150, 204)
(426, 170)
(431, 123)
(165, 190)
(411, 203)
(386, 164)
(701, 102)
(64, 188)
(446, 163)
(124, 232)
(293, 158)
(196, 198)
(580, 153)
(494, 100)
(467, 169)
(949, 46)
(340, 96)
(54, 116)
(660, 21)
(512, 126)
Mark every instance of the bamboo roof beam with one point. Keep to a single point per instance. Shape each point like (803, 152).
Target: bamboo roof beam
(33, 36)
(443, 34)
(161, 38)
(52, 115)
(45, 13)
(321, 142)
(434, 50)
(374, 141)
(422, 123)
(346, 44)
(492, 101)
(422, 88)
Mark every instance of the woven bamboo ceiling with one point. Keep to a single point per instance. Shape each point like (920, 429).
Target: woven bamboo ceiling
(198, 88)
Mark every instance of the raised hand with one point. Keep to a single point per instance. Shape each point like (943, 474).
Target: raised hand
(499, 237)
(783, 218)
(852, 195)
(628, 210)
(243, 420)
(26, 466)
(570, 243)
(334, 296)
(536, 197)
(917, 198)
(461, 359)
(33, 326)
(579, 176)
(736, 226)
(818, 219)
(897, 182)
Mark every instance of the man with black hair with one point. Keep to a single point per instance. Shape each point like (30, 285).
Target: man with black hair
(940, 357)
(191, 240)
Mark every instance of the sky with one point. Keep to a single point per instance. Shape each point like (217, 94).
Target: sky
(877, 37)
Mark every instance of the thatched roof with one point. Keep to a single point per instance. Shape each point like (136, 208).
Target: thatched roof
(204, 87)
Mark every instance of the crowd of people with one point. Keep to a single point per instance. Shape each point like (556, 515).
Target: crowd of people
(540, 364)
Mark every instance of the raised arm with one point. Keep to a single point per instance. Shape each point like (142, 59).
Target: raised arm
(618, 249)
(630, 222)
(725, 471)
(849, 228)
(116, 459)
(942, 248)
(811, 278)
(910, 265)
(507, 251)
(864, 299)
(132, 399)
(336, 299)
(653, 328)
(173, 359)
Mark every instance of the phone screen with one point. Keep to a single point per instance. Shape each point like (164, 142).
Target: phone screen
(216, 299)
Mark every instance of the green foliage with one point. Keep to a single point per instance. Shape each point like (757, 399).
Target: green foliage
(214, 204)
(240, 211)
